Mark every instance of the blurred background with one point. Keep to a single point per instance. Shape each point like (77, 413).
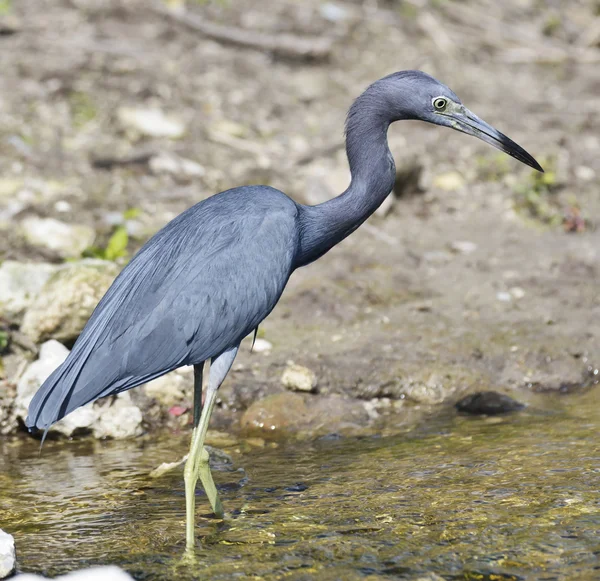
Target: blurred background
(476, 274)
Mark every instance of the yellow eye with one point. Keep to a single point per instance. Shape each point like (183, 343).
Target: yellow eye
(439, 103)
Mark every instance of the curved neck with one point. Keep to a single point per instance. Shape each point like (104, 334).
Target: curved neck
(373, 172)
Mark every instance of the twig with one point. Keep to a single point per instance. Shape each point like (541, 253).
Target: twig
(287, 45)
(108, 161)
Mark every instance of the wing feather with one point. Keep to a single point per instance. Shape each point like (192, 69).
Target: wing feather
(196, 288)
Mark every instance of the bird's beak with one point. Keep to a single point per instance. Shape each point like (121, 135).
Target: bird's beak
(470, 124)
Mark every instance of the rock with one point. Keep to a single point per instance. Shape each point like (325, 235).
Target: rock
(426, 388)
(109, 573)
(68, 240)
(8, 557)
(287, 413)
(463, 247)
(115, 418)
(262, 346)
(228, 127)
(449, 181)
(299, 378)
(67, 300)
(488, 403)
(20, 283)
(179, 167)
(170, 389)
(333, 12)
(118, 418)
(151, 122)
(279, 412)
(504, 297)
(516, 292)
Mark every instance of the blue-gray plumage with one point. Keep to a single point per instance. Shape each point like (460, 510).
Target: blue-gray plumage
(209, 277)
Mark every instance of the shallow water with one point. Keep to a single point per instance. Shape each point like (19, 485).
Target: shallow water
(466, 498)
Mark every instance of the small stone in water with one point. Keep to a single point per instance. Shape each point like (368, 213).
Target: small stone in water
(488, 403)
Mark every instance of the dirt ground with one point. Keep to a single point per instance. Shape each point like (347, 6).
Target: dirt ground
(481, 275)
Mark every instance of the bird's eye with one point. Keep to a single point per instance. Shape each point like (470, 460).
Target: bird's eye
(439, 103)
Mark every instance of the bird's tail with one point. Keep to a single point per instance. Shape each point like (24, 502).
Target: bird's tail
(62, 392)
(88, 373)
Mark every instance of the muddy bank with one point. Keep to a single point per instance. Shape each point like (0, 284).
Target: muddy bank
(477, 275)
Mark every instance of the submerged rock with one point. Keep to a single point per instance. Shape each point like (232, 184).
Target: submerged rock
(487, 403)
(68, 240)
(67, 300)
(8, 558)
(115, 417)
(20, 283)
(109, 573)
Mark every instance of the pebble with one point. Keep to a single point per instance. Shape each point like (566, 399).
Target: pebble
(151, 122)
(504, 297)
(299, 378)
(463, 247)
(449, 181)
(176, 166)
(262, 346)
(8, 558)
(109, 573)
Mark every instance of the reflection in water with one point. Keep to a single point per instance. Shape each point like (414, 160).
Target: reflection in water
(467, 498)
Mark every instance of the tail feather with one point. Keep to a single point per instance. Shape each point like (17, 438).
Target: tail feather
(83, 377)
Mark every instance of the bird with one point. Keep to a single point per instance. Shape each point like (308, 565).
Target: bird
(211, 276)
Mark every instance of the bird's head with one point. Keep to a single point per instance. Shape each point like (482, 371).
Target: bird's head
(417, 95)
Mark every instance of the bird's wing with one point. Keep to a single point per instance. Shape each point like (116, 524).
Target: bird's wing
(199, 286)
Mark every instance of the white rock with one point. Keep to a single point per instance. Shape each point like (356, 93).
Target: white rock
(20, 283)
(262, 346)
(8, 557)
(117, 419)
(69, 240)
(333, 12)
(299, 378)
(517, 292)
(463, 246)
(585, 173)
(109, 573)
(177, 166)
(151, 122)
(504, 297)
(170, 389)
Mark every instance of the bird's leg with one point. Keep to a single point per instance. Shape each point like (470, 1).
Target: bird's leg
(197, 463)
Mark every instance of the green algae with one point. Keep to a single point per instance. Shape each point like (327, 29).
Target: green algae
(464, 498)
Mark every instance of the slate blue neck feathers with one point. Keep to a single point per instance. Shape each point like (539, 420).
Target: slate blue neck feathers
(372, 172)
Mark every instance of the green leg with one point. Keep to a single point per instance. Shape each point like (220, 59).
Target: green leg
(197, 463)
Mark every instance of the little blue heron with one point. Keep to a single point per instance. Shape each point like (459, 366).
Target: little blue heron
(211, 275)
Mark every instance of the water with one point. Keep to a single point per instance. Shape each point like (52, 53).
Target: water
(466, 498)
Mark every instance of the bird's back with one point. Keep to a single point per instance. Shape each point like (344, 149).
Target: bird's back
(200, 285)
